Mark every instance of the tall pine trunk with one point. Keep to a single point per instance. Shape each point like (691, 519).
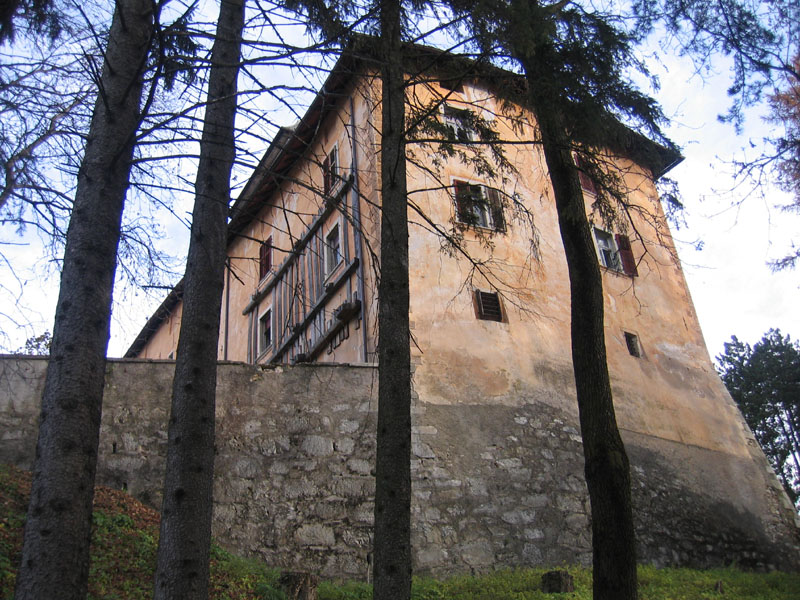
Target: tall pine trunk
(185, 538)
(55, 554)
(392, 536)
(606, 463)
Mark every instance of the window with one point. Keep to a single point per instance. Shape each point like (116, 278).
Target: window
(330, 171)
(615, 252)
(333, 252)
(607, 249)
(458, 122)
(487, 306)
(586, 181)
(632, 341)
(264, 331)
(479, 206)
(265, 258)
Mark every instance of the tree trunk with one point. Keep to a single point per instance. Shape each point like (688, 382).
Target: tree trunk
(607, 469)
(183, 551)
(55, 554)
(392, 537)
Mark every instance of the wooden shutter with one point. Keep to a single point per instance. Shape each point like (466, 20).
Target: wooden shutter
(326, 176)
(496, 207)
(461, 193)
(264, 258)
(586, 181)
(488, 306)
(626, 255)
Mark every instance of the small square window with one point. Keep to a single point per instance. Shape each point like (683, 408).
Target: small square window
(265, 258)
(265, 331)
(488, 306)
(330, 171)
(333, 252)
(632, 341)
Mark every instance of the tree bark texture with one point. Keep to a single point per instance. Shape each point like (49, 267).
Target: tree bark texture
(55, 555)
(392, 535)
(185, 536)
(606, 462)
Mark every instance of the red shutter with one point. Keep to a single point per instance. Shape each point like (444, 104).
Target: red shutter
(626, 255)
(496, 206)
(586, 181)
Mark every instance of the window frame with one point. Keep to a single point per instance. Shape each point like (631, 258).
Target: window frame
(452, 121)
(600, 246)
(330, 267)
(261, 347)
(620, 246)
(330, 174)
(491, 206)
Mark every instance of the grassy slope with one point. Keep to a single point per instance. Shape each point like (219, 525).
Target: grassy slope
(125, 539)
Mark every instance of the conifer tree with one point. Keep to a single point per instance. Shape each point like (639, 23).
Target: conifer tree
(185, 538)
(55, 554)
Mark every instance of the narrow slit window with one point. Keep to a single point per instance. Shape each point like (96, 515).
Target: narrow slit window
(330, 171)
(333, 250)
(265, 258)
(265, 331)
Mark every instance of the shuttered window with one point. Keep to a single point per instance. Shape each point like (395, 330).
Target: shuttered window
(615, 252)
(586, 181)
(479, 206)
(626, 255)
(488, 306)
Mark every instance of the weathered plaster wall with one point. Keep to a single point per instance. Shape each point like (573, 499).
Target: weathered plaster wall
(495, 483)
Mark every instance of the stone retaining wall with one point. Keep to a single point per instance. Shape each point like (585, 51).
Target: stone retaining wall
(494, 485)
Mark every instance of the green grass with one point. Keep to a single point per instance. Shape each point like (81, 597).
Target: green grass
(125, 538)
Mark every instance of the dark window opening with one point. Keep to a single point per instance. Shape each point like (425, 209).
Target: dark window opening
(632, 341)
(265, 331)
(488, 306)
(265, 258)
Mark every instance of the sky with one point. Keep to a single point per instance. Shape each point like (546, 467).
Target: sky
(733, 289)
(741, 230)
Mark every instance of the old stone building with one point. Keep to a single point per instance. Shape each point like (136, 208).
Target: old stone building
(497, 453)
